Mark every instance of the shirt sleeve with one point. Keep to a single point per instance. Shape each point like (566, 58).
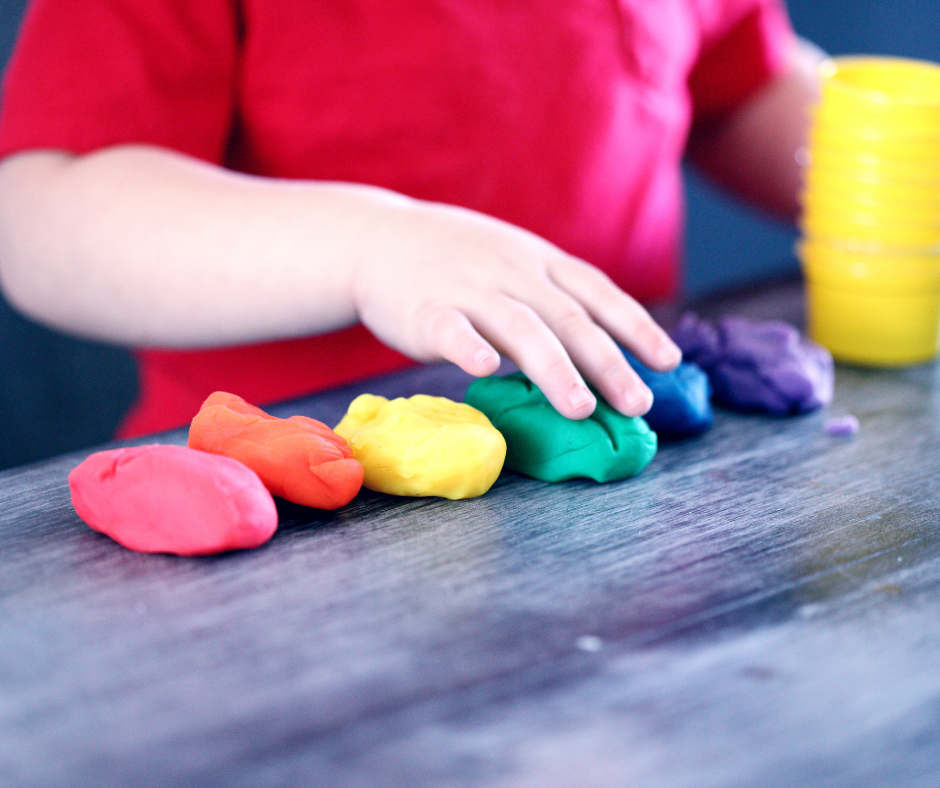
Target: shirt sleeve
(86, 74)
(744, 45)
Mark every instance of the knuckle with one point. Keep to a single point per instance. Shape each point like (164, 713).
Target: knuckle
(432, 332)
(597, 278)
(647, 332)
(560, 372)
(574, 322)
(522, 321)
(436, 322)
(616, 368)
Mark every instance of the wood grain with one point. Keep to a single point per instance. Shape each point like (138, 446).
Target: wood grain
(758, 608)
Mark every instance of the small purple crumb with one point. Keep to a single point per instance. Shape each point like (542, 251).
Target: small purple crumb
(842, 425)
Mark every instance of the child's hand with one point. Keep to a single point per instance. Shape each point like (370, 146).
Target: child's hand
(151, 248)
(439, 282)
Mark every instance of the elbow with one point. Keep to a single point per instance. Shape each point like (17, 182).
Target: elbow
(12, 285)
(24, 232)
(15, 287)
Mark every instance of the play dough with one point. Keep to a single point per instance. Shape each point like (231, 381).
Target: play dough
(298, 459)
(681, 400)
(842, 426)
(171, 499)
(545, 445)
(423, 445)
(758, 366)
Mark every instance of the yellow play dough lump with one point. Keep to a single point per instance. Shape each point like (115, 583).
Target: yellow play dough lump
(423, 445)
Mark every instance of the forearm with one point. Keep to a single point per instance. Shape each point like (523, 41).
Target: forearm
(145, 247)
(141, 246)
(754, 151)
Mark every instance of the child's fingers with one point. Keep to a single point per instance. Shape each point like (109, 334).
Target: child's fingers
(590, 348)
(599, 359)
(505, 290)
(521, 333)
(625, 319)
(448, 334)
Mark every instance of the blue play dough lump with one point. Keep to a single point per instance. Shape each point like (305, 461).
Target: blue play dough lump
(681, 399)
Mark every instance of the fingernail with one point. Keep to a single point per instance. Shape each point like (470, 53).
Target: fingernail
(669, 355)
(639, 402)
(482, 356)
(580, 397)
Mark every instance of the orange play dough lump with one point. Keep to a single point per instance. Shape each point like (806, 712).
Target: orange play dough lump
(423, 445)
(170, 499)
(299, 459)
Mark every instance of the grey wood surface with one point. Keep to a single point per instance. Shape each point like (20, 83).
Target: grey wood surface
(758, 608)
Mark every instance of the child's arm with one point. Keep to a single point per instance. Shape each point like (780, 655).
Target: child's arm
(143, 246)
(755, 150)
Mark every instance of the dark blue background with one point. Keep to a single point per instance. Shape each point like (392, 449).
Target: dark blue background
(58, 393)
(728, 244)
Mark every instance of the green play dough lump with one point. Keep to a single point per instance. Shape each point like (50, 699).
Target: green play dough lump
(542, 443)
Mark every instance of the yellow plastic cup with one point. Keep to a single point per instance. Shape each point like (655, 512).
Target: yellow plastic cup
(878, 264)
(865, 127)
(871, 218)
(866, 185)
(842, 228)
(901, 95)
(830, 136)
(880, 167)
(870, 208)
(872, 308)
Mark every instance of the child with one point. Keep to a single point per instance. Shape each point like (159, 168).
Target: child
(274, 198)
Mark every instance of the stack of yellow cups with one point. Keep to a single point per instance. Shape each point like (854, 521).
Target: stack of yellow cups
(870, 249)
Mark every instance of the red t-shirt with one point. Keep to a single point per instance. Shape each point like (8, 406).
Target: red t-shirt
(566, 118)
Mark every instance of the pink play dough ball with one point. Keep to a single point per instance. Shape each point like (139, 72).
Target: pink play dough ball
(172, 499)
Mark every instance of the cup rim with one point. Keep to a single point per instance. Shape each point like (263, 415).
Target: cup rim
(825, 131)
(871, 161)
(840, 76)
(876, 254)
(855, 180)
(842, 217)
(876, 175)
(820, 199)
(869, 270)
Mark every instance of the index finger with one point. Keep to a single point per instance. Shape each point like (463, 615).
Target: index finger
(616, 312)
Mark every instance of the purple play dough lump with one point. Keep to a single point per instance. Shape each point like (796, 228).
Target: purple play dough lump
(758, 366)
(842, 426)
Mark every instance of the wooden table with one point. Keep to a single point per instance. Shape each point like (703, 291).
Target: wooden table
(760, 607)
